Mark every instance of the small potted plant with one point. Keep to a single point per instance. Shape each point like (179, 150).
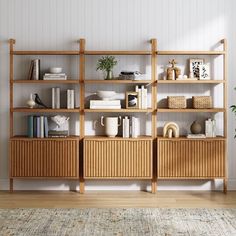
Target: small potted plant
(106, 64)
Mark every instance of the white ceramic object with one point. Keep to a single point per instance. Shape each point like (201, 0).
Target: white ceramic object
(111, 125)
(105, 95)
(31, 103)
(55, 70)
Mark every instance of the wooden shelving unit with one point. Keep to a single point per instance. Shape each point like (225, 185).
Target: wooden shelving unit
(41, 158)
(116, 81)
(183, 158)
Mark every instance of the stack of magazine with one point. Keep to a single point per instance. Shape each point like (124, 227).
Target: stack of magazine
(104, 104)
(55, 76)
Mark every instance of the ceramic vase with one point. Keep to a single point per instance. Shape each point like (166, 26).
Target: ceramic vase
(196, 128)
(111, 125)
(31, 103)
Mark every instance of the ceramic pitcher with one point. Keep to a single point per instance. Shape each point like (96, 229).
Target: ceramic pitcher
(111, 125)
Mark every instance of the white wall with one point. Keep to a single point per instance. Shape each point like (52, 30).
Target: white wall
(113, 24)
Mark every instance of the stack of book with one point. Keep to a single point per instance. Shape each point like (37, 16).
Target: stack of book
(37, 126)
(55, 76)
(55, 98)
(132, 75)
(210, 128)
(130, 127)
(34, 71)
(142, 96)
(196, 136)
(104, 104)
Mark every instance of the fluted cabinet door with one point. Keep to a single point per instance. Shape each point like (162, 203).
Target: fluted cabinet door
(182, 158)
(117, 158)
(44, 158)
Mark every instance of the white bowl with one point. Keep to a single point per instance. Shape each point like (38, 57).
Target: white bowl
(55, 70)
(105, 95)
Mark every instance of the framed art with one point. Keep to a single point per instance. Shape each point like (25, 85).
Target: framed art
(194, 66)
(204, 71)
(132, 100)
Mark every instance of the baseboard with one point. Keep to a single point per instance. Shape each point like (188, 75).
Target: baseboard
(182, 185)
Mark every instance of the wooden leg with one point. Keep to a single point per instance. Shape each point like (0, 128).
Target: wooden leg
(154, 186)
(11, 185)
(225, 185)
(81, 186)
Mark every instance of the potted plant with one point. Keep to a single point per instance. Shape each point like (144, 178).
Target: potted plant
(106, 64)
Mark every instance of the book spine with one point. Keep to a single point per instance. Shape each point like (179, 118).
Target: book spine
(68, 99)
(134, 127)
(46, 127)
(31, 70)
(36, 69)
(214, 128)
(105, 103)
(30, 126)
(38, 127)
(41, 127)
(53, 98)
(72, 99)
(123, 128)
(126, 127)
(35, 126)
(105, 107)
(143, 97)
(57, 100)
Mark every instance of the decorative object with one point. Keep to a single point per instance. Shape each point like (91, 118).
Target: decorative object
(58, 126)
(106, 64)
(111, 125)
(105, 95)
(195, 127)
(39, 101)
(171, 129)
(55, 70)
(202, 102)
(119, 221)
(204, 71)
(56, 98)
(191, 76)
(176, 102)
(31, 103)
(70, 98)
(185, 77)
(194, 66)
(173, 72)
(132, 75)
(132, 100)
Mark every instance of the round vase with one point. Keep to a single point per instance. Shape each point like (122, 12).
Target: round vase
(108, 75)
(196, 128)
(31, 103)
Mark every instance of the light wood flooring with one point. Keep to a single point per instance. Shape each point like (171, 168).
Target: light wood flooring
(120, 199)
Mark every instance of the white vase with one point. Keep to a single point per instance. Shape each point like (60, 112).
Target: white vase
(31, 103)
(111, 125)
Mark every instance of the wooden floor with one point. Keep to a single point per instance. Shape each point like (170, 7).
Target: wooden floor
(120, 199)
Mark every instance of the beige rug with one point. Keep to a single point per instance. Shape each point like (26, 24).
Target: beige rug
(164, 222)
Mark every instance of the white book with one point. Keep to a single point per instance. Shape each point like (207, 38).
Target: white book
(134, 125)
(41, 126)
(57, 98)
(126, 127)
(54, 78)
(36, 68)
(196, 136)
(53, 98)
(68, 99)
(105, 107)
(144, 97)
(72, 99)
(208, 128)
(138, 90)
(214, 128)
(105, 103)
(53, 74)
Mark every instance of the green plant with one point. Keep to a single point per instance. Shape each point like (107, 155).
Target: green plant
(106, 63)
(233, 107)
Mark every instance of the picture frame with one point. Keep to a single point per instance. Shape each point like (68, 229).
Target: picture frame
(194, 64)
(132, 100)
(204, 72)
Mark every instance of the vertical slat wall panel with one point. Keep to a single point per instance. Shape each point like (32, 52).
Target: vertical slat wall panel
(44, 158)
(117, 158)
(191, 158)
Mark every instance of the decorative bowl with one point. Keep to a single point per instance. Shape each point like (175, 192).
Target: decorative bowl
(55, 70)
(105, 95)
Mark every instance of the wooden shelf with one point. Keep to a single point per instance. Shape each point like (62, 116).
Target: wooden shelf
(46, 53)
(95, 137)
(212, 110)
(120, 110)
(62, 110)
(191, 52)
(189, 81)
(116, 81)
(20, 137)
(26, 81)
(117, 53)
(185, 138)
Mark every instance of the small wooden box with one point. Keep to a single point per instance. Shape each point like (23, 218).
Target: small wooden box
(202, 102)
(176, 102)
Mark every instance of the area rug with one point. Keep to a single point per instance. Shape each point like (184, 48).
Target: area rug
(131, 221)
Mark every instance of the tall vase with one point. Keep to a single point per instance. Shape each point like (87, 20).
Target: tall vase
(109, 75)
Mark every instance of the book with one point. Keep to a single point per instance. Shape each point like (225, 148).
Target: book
(53, 98)
(55, 78)
(105, 107)
(30, 126)
(46, 127)
(31, 70)
(57, 98)
(134, 126)
(36, 70)
(38, 126)
(70, 99)
(138, 90)
(125, 126)
(35, 126)
(41, 127)
(105, 103)
(55, 133)
(196, 136)
(143, 97)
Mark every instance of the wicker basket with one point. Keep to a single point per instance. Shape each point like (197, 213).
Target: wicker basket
(203, 102)
(175, 102)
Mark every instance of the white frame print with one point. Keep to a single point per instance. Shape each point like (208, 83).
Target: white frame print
(194, 66)
(204, 71)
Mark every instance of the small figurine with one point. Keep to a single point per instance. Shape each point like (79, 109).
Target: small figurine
(39, 101)
(173, 72)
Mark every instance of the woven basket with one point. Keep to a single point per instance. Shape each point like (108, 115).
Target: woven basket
(175, 102)
(203, 102)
